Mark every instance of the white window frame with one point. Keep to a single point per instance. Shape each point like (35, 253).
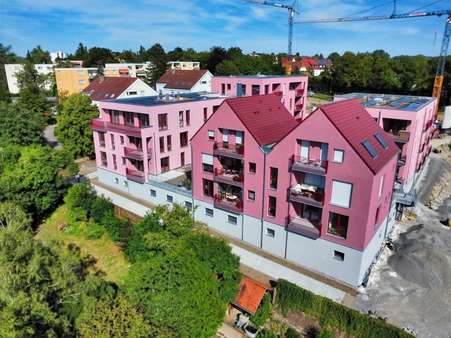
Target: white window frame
(341, 159)
(211, 134)
(270, 232)
(340, 188)
(207, 159)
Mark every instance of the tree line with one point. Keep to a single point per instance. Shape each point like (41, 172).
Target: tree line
(377, 72)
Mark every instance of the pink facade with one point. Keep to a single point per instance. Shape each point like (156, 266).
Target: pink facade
(141, 137)
(410, 122)
(292, 89)
(295, 183)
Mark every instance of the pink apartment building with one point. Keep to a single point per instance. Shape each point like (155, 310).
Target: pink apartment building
(139, 138)
(291, 89)
(409, 120)
(316, 192)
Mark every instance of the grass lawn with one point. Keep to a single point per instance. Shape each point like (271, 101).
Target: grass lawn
(110, 257)
(322, 96)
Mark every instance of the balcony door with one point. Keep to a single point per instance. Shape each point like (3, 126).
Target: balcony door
(164, 164)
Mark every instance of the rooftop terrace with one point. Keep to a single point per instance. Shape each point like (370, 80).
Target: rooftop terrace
(150, 101)
(260, 76)
(388, 101)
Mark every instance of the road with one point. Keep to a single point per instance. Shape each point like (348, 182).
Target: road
(411, 285)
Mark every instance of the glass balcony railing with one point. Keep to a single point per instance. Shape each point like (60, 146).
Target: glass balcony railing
(228, 202)
(227, 149)
(135, 175)
(302, 164)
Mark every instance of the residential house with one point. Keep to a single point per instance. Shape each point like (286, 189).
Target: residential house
(184, 65)
(176, 81)
(126, 69)
(73, 80)
(292, 90)
(11, 71)
(316, 193)
(108, 88)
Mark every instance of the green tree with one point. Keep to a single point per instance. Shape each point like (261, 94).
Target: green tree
(177, 281)
(115, 318)
(159, 63)
(19, 127)
(38, 55)
(6, 56)
(13, 216)
(227, 67)
(74, 124)
(217, 55)
(81, 53)
(31, 178)
(97, 57)
(43, 289)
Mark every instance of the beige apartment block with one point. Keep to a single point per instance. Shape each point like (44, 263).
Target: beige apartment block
(73, 80)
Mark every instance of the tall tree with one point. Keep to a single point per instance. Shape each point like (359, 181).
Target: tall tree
(98, 56)
(159, 63)
(217, 55)
(81, 53)
(6, 56)
(38, 55)
(73, 127)
(13, 216)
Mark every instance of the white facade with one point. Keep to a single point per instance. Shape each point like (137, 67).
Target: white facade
(203, 85)
(184, 65)
(12, 70)
(127, 69)
(138, 88)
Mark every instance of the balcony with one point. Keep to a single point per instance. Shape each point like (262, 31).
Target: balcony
(401, 161)
(135, 175)
(278, 93)
(306, 194)
(227, 149)
(103, 126)
(303, 227)
(227, 176)
(136, 154)
(400, 136)
(300, 92)
(231, 203)
(301, 164)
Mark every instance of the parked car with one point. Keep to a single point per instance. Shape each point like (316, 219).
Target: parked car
(310, 93)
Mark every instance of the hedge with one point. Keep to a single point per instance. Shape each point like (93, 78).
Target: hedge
(330, 314)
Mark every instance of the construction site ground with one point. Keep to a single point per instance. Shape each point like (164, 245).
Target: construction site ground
(411, 283)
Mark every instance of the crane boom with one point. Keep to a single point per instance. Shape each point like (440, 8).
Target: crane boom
(377, 17)
(291, 11)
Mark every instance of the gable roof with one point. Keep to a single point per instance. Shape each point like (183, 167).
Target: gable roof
(356, 125)
(264, 116)
(181, 79)
(107, 88)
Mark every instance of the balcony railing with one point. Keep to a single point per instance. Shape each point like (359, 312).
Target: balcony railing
(401, 160)
(231, 177)
(135, 175)
(227, 149)
(136, 154)
(303, 227)
(102, 126)
(230, 203)
(301, 164)
(400, 136)
(278, 93)
(306, 195)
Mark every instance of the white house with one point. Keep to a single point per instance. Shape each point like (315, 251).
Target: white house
(12, 70)
(184, 65)
(109, 88)
(176, 81)
(127, 69)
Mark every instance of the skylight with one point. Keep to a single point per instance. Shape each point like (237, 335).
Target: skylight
(381, 140)
(369, 148)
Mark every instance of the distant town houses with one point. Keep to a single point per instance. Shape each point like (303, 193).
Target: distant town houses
(305, 63)
(178, 81)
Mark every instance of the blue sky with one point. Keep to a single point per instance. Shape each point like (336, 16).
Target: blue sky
(200, 24)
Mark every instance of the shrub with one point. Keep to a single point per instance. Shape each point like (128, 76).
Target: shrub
(93, 230)
(290, 297)
(264, 311)
(137, 249)
(99, 207)
(292, 333)
(325, 333)
(114, 226)
(266, 334)
(80, 196)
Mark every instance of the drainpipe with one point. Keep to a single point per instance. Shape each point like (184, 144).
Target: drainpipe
(154, 154)
(263, 197)
(391, 203)
(192, 196)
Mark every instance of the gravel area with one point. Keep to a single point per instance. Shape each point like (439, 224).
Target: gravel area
(411, 284)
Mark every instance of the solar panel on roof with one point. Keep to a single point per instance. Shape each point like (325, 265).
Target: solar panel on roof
(381, 140)
(369, 148)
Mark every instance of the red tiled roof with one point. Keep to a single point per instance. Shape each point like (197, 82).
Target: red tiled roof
(107, 88)
(250, 295)
(181, 79)
(264, 116)
(356, 125)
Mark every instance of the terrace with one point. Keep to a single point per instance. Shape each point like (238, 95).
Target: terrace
(230, 150)
(303, 227)
(306, 194)
(302, 164)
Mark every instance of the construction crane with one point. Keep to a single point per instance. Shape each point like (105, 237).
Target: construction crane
(291, 12)
(438, 82)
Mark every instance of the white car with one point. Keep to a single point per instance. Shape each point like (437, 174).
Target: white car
(250, 331)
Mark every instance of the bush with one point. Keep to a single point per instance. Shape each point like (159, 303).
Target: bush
(80, 196)
(292, 333)
(100, 206)
(264, 311)
(93, 230)
(266, 334)
(290, 297)
(114, 226)
(324, 333)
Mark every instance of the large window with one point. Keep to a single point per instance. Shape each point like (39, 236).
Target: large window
(338, 225)
(163, 121)
(341, 194)
(161, 144)
(143, 120)
(369, 148)
(272, 204)
(338, 155)
(184, 139)
(205, 114)
(129, 119)
(274, 173)
(169, 142)
(102, 139)
(207, 187)
(252, 168)
(207, 163)
(188, 117)
(255, 89)
(115, 117)
(181, 122)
